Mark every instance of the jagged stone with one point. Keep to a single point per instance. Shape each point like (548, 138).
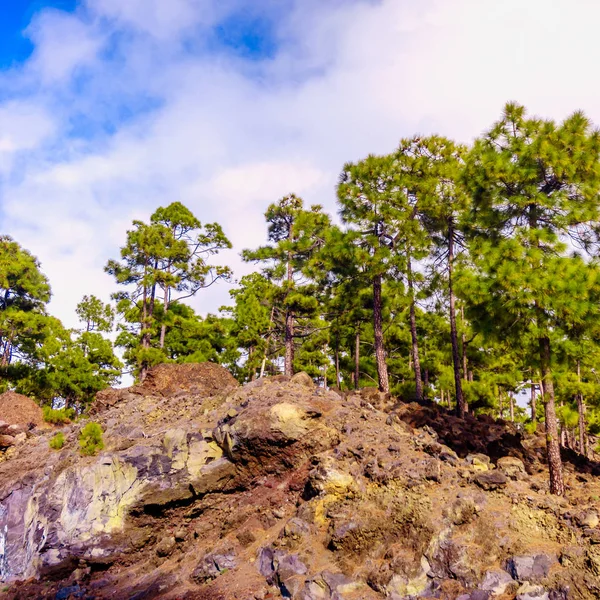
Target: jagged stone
(166, 546)
(496, 582)
(303, 379)
(6, 441)
(588, 519)
(532, 592)
(532, 567)
(492, 480)
(213, 565)
(512, 467)
(479, 462)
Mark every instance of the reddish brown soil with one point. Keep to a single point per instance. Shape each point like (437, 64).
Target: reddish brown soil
(16, 409)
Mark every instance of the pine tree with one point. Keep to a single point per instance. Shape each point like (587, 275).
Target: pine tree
(95, 314)
(169, 253)
(184, 266)
(252, 315)
(534, 184)
(24, 292)
(435, 165)
(295, 234)
(379, 205)
(365, 192)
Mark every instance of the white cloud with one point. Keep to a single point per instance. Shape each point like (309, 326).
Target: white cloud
(161, 19)
(23, 126)
(227, 136)
(63, 43)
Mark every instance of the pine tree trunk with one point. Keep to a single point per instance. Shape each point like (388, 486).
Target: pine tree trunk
(163, 328)
(382, 372)
(581, 409)
(337, 368)
(264, 360)
(253, 372)
(533, 403)
(357, 358)
(557, 485)
(7, 353)
(289, 326)
(413, 332)
(461, 406)
(289, 343)
(145, 329)
(512, 408)
(464, 345)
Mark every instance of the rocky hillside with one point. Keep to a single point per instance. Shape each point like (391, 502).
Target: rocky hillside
(281, 490)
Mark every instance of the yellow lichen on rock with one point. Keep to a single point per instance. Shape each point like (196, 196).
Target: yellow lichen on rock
(289, 420)
(176, 447)
(96, 498)
(201, 453)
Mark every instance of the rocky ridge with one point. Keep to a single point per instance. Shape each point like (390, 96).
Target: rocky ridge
(279, 489)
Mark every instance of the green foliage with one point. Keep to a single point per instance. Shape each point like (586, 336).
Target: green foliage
(69, 366)
(169, 257)
(58, 416)
(24, 292)
(95, 315)
(57, 441)
(295, 235)
(90, 439)
(531, 427)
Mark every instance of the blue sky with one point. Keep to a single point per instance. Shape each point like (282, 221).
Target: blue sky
(15, 16)
(111, 108)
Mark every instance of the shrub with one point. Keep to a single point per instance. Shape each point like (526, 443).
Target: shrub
(531, 427)
(58, 416)
(58, 441)
(90, 439)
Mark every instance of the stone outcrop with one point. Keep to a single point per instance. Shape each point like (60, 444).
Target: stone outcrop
(280, 489)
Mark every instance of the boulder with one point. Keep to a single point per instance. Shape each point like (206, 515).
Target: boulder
(213, 565)
(532, 567)
(304, 380)
(479, 462)
(588, 519)
(166, 546)
(202, 379)
(491, 480)
(6, 441)
(496, 582)
(512, 467)
(532, 592)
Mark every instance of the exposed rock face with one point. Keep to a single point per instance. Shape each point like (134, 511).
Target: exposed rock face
(282, 490)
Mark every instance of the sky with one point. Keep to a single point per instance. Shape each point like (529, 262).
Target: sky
(111, 108)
